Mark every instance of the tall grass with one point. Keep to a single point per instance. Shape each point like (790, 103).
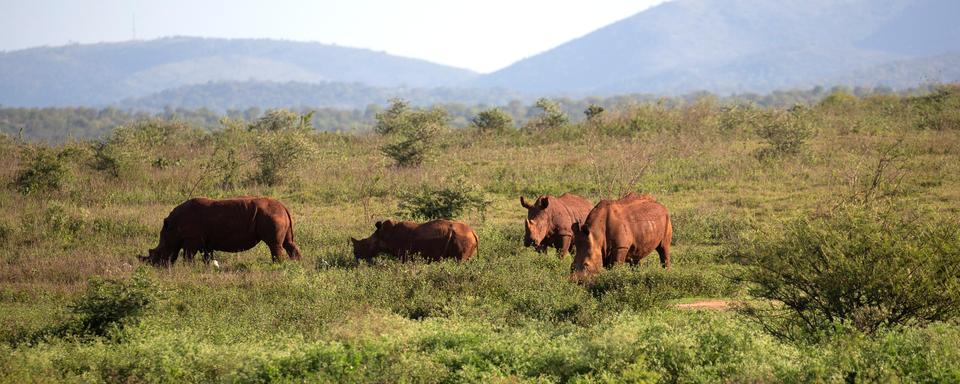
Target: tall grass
(509, 314)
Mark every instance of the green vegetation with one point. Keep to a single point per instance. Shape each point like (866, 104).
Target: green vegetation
(414, 132)
(874, 192)
(492, 121)
(44, 172)
(64, 124)
(452, 200)
(551, 116)
(858, 268)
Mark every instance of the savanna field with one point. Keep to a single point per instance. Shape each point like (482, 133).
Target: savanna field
(829, 230)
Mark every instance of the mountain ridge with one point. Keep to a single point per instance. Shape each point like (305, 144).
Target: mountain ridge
(683, 46)
(103, 73)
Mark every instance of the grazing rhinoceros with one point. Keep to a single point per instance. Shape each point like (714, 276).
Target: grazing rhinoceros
(434, 240)
(229, 225)
(624, 230)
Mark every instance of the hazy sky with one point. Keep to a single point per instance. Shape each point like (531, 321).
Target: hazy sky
(479, 35)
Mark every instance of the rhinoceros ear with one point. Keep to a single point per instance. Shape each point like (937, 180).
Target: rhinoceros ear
(524, 203)
(379, 224)
(544, 202)
(353, 241)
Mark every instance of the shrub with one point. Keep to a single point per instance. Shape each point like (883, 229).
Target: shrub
(45, 171)
(396, 118)
(226, 163)
(551, 116)
(137, 144)
(60, 223)
(411, 149)
(281, 145)
(282, 120)
(593, 111)
(940, 110)
(786, 133)
(111, 159)
(838, 98)
(860, 268)
(110, 304)
(414, 132)
(493, 120)
(448, 202)
(739, 118)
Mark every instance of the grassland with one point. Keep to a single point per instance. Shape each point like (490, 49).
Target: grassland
(509, 315)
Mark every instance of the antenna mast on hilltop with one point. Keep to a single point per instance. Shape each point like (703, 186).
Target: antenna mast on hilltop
(133, 18)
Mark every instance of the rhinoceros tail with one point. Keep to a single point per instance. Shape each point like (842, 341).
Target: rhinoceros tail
(664, 248)
(290, 222)
(476, 240)
(293, 251)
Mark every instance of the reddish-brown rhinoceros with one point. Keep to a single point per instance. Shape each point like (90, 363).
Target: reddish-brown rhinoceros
(551, 221)
(434, 240)
(229, 225)
(624, 230)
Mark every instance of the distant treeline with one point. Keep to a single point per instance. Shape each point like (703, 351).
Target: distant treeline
(61, 124)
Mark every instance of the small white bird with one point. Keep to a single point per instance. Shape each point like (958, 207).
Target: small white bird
(216, 264)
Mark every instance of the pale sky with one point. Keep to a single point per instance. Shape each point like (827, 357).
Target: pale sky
(480, 35)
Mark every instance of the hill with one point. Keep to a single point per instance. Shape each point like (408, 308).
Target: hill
(224, 95)
(741, 46)
(99, 74)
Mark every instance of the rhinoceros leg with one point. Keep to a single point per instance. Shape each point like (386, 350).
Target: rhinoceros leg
(664, 251)
(619, 256)
(189, 253)
(564, 246)
(276, 251)
(293, 251)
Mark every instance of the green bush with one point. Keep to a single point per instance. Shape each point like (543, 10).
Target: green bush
(55, 222)
(279, 154)
(786, 133)
(131, 147)
(739, 118)
(226, 164)
(448, 202)
(940, 110)
(45, 171)
(108, 305)
(493, 120)
(551, 116)
(838, 98)
(593, 111)
(414, 132)
(281, 144)
(282, 120)
(855, 268)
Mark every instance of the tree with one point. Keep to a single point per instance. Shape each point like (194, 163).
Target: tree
(551, 116)
(282, 144)
(414, 132)
(493, 120)
(593, 111)
(857, 267)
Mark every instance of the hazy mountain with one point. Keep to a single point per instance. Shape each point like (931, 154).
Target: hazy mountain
(239, 95)
(96, 74)
(678, 47)
(741, 45)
